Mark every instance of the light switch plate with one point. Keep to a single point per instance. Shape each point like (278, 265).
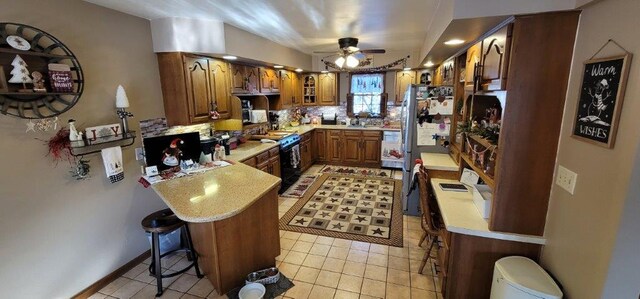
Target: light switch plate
(566, 179)
(139, 154)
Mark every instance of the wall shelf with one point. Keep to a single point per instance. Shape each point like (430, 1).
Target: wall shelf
(127, 139)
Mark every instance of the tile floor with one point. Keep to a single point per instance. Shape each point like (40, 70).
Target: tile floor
(320, 267)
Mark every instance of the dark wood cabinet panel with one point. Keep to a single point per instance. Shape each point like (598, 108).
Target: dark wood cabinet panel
(274, 164)
(371, 150)
(327, 89)
(495, 58)
(238, 78)
(320, 145)
(198, 92)
(296, 90)
(352, 149)
(269, 80)
(474, 55)
(334, 147)
(286, 88)
(219, 86)
(403, 80)
(253, 78)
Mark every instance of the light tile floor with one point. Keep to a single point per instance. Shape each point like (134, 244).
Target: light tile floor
(320, 267)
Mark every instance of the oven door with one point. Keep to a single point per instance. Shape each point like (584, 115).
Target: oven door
(289, 166)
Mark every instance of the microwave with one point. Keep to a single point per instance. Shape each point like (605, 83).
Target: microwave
(258, 116)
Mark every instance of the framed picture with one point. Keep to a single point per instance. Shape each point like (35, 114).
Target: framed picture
(3, 81)
(600, 102)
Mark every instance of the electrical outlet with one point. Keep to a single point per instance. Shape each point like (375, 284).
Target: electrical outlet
(139, 154)
(566, 179)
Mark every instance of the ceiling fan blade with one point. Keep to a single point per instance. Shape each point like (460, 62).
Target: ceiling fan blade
(325, 52)
(373, 51)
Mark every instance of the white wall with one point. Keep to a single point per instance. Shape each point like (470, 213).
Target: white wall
(581, 229)
(248, 45)
(623, 279)
(61, 235)
(187, 35)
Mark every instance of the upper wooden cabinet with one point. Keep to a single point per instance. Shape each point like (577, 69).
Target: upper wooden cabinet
(474, 55)
(269, 80)
(296, 90)
(308, 85)
(327, 89)
(244, 79)
(286, 89)
(192, 86)
(495, 59)
(404, 79)
(447, 72)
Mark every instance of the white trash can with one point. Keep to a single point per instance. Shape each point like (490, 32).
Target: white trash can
(169, 241)
(517, 277)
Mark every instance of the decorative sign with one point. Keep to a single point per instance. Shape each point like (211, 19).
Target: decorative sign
(100, 134)
(60, 77)
(18, 43)
(603, 85)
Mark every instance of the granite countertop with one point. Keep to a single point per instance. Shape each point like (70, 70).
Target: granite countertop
(461, 216)
(216, 194)
(435, 161)
(249, 149)
(307, 128)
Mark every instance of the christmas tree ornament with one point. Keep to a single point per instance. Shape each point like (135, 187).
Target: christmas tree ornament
(30, 126)
(20, 73)
(80, 171)
(122, 102)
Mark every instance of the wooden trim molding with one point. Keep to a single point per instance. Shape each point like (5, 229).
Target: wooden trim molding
(101, 283)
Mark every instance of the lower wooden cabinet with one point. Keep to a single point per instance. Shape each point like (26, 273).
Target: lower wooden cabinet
(349, 147)
(267, 161)
(319, 145)
(306, 151)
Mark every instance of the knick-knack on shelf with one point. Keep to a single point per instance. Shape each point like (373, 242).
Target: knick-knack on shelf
(74, 137)
(38, 82)
(20, 73)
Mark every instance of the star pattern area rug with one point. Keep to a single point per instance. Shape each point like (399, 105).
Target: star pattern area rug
(363, 209)
(359, 171)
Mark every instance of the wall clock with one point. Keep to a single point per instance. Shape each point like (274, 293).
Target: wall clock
(38, 49)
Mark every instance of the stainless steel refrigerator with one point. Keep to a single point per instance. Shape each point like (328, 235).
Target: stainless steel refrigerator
(409, 121)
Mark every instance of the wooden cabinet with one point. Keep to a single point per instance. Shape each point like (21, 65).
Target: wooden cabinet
(327, 89)
(495, 58)
(353, 147)
(319, 144)
(198, 92)
(473, 60)
(286, 89)
(296, 90)
(219, 86)
(447, 73)
(269, 80)
(437, 76)
(403, 80)
(244, 79)
(306, 152)
(308, 83)
(267, 161)
(371, 145)
(192, 86)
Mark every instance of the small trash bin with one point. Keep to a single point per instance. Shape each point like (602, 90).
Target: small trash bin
(169, 241)
(517, 277)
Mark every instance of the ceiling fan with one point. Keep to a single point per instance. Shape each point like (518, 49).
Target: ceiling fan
(350, 54)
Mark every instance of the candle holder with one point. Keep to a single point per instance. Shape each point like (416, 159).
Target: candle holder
(124, 115)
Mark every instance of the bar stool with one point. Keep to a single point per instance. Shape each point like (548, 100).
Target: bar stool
(160, 223)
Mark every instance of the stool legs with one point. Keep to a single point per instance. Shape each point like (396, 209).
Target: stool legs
(156, 260)
(192, 252)
(427, 255)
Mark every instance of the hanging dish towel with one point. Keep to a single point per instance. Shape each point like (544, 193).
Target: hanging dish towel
(112, 159)
(295, 156)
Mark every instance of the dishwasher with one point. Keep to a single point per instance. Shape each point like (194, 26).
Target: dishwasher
(391, 152)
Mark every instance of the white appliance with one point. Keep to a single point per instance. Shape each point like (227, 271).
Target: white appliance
(411, 151)
(391, 153)
(517, 277)
(258, 116)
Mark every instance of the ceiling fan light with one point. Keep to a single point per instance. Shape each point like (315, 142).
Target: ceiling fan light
(353, 49)
(340, 61)
(352, 61)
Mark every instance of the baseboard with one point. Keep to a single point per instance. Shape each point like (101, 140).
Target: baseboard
(98, 285)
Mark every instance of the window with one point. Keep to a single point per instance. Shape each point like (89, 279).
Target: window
(367, 95)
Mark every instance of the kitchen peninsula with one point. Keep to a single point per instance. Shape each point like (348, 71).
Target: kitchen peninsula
(234, 227)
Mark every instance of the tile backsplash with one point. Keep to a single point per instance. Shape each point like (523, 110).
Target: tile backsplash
(158, 127)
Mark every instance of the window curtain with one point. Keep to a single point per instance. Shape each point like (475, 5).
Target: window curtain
(367, 83)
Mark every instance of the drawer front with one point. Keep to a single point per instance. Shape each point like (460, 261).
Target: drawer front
(371, 133)
(306, 136)
(251, 162)
(274, 152)
(262, 157)
(353, 133)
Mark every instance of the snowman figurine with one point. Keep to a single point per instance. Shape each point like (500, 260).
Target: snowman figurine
(172, 155)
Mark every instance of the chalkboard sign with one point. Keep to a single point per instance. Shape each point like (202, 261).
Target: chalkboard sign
(601, 94)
